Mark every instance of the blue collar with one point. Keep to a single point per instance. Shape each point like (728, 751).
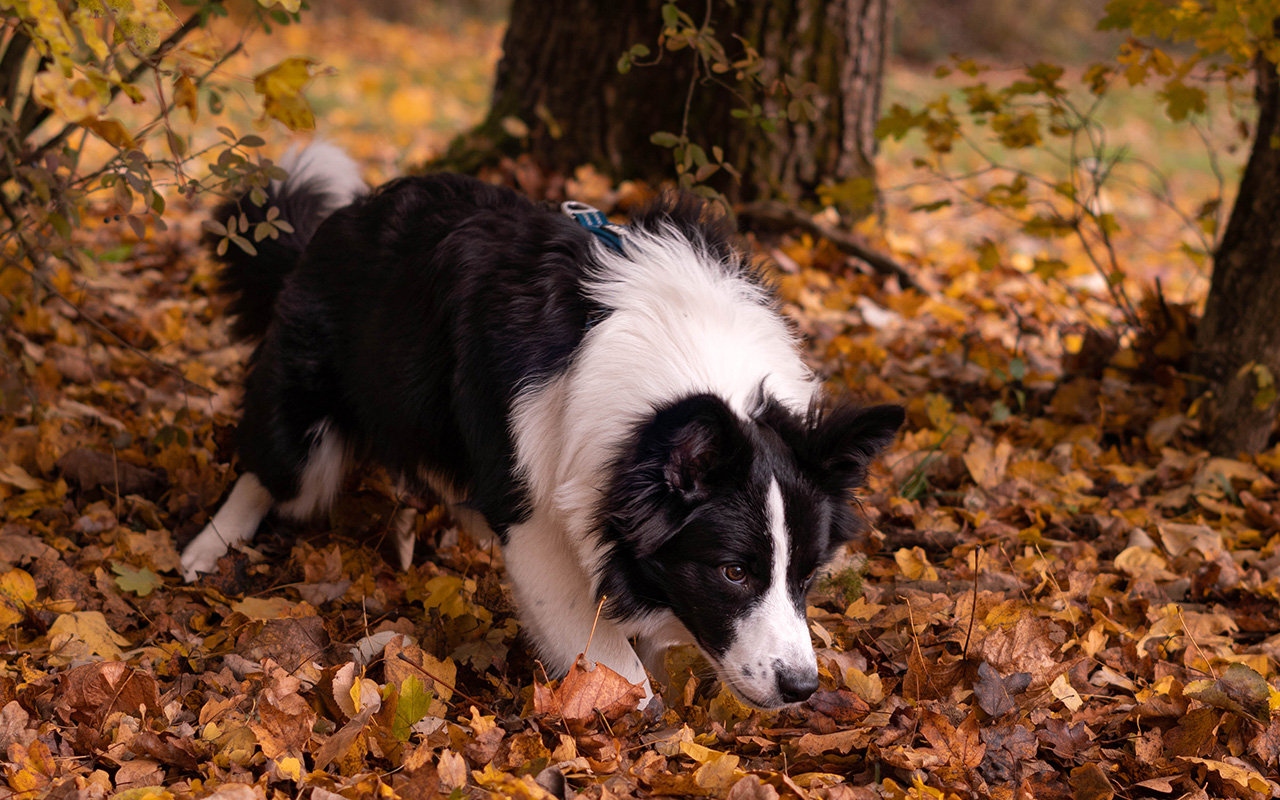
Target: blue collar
(596, 223)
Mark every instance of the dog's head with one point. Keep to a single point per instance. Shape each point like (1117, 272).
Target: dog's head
(725, 522)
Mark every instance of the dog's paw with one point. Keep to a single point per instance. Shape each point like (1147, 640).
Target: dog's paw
(201, 556)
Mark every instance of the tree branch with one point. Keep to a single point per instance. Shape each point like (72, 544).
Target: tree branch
(780, 215)
(28, 126)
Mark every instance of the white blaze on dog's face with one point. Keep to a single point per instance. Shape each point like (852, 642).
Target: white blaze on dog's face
(769, 660)
(723, 522)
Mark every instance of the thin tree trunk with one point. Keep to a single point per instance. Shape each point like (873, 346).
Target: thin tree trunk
(559, 76)
(1239, 337)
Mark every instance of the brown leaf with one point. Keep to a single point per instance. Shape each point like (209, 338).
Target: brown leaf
(14, 722)
(816, 744)
(139, 772)
(1011, 749)
(841, 705)
(1089, 782)
(90, 469)
(182, 752)
(749, 787)
(91, 692)
(289, 642)
(1238, 689)
(1028, 646)
(929, 677)
(1194, 735)
(960, 745)
(1266, 745)
(486, 737)
(286, 718)
(589, 691)
(337, 745)
(995, 694)
(1068, 741)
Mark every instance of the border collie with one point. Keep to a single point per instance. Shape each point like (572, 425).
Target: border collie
(635, 423)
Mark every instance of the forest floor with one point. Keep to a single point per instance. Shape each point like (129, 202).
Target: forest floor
(1063, 596)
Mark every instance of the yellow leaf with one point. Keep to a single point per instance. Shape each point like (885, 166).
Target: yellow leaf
(1240, 776)
(291, 6)
(700, 753)
(987, 461)
(184, 96)
(73, 100)
(82, 634)
(718, 774)
(915, 564)
(290, 768)
(264, 608)
(110, 131)
(17, 591)
(1143, 564)
(281, 89)
(868, 687)
(504, 784)
(1064, 691)
(860, 609)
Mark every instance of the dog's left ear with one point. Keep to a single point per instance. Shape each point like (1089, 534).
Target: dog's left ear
(845, 440)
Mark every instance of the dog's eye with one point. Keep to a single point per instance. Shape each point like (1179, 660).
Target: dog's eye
(808, 579)
(734, 573)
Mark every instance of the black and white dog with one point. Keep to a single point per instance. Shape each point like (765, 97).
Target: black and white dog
(634, 424)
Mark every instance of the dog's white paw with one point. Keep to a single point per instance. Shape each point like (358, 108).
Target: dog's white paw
(202, 555)
(403, 536)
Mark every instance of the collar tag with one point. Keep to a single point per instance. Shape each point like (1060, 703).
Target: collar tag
(594, 220)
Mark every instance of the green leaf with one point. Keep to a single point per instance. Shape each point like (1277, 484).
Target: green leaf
(412, 706)
(664, 139)
(141, 582)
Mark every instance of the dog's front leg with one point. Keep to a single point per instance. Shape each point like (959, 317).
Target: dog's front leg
(234, 524)
(557, 608)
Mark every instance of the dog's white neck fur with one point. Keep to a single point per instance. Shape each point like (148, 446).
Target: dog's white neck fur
(680, 323)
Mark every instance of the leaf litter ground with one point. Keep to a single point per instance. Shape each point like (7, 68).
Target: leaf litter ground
(1062, 597)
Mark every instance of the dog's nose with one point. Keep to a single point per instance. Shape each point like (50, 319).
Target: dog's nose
(795, 686)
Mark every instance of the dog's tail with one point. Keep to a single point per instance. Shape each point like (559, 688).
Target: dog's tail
(322, 178)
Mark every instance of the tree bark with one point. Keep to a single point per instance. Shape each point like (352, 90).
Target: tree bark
(559, 76)
(1240, 331)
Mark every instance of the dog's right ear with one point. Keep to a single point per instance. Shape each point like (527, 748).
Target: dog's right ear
(691, 440)
(681, 454)
(695, 439)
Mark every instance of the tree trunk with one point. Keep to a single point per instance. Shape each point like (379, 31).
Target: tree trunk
(559, 75)
(1238, 344)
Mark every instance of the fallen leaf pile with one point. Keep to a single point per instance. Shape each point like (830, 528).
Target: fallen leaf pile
(1063, 595)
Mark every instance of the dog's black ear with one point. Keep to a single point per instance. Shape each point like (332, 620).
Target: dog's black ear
(680, 456)
(695, 438)
(845, 440)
